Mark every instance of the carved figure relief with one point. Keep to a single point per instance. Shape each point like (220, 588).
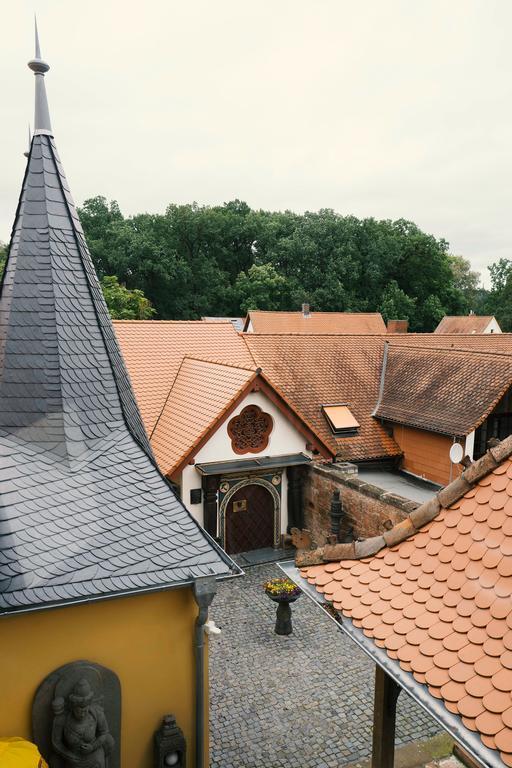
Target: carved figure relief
(250, 430)
(76, 717)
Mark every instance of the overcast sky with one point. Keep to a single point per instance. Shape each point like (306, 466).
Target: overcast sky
(385, 108)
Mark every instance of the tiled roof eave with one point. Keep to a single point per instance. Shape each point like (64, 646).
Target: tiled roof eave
(419, 692)
(456, 431)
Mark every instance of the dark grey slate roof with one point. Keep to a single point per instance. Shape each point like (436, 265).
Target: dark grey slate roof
(84, 511)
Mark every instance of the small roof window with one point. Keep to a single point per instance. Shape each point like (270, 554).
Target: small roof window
(341, 419)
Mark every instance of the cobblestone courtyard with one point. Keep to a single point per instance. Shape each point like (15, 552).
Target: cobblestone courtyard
(303, 701)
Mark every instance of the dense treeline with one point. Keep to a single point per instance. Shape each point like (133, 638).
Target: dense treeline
(223, 260)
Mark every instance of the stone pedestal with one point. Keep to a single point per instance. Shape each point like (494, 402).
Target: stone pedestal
(284, 615)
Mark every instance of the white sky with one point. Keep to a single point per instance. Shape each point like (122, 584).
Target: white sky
(385, 108)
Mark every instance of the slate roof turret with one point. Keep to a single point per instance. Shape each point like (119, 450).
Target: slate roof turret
(84, 511)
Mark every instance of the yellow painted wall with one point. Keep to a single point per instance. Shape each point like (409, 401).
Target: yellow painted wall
(426, 454)
(147, 640)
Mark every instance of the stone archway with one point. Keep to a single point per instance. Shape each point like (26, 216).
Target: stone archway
(250, 516)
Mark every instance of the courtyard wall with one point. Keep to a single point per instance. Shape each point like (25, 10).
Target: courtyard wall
(370, 510)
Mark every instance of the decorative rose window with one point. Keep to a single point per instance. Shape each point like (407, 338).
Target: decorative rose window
(250, 430)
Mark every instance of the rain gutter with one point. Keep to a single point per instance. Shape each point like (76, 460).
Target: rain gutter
(487, 758)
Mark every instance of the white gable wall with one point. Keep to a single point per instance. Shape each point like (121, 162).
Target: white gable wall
(284, 439)
(493, 327)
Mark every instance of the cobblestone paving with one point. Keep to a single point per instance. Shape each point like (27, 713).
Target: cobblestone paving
(302, 701)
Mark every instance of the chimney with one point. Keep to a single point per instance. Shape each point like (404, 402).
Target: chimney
(305, 310)
(397, 326)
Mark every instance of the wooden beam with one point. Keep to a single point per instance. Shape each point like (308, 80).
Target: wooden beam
(384, 716)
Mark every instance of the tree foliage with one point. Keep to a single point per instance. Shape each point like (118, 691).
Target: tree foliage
(222, 260)
(466, 281)
(123, 303)
(499, 298)
(3, 257)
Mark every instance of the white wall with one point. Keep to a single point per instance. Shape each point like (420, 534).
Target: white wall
(493, 327)
(284, 439)
(469, 446)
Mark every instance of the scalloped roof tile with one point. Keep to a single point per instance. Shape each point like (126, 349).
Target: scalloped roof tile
(439, 602)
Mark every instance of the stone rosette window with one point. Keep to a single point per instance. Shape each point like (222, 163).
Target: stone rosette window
(250, 430)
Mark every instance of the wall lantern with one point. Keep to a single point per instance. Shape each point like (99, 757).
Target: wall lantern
(170, 745)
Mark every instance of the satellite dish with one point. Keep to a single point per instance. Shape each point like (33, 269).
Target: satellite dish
(456, 453)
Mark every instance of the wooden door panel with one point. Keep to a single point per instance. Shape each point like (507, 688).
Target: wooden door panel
(249, 520)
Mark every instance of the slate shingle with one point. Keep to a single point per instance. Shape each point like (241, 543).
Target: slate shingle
(82, 504)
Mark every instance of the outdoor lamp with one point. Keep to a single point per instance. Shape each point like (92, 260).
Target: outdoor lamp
(170, 745)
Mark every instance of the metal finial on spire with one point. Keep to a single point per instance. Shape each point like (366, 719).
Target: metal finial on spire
(42, 122)
(38, 47)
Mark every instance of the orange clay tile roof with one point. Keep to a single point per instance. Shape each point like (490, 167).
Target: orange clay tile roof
(317, 322)
(318, 370)
(437, 596)
(443, 390)
(464, 324)
(154, 349)
(484, 342)
(308, 371)
(202, 392)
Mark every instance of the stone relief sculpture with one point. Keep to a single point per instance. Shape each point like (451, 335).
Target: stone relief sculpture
(80, 732)
(76, 717)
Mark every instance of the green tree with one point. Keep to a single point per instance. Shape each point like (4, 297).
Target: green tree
(499, 299)
(261, 287)
(500, 272)
(124, 304)
(466, 280)
(396, 304)
(3, 258)
(198, 260)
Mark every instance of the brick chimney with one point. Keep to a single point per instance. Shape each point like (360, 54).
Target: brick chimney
(305, 310)
(397, 326)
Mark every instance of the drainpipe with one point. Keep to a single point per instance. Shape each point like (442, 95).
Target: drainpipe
(382, 377)
(204, 592)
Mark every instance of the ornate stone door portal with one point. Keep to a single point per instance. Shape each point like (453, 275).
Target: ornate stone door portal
(250, 513)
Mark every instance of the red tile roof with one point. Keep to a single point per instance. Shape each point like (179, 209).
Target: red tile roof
(488, 342)
(308, 370)
(319, 370)
(201, 394)
(464, 324)
(443, 390)
(436, 595)
(154, 350)
(316, 322)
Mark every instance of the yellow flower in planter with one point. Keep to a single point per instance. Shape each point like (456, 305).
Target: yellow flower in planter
(18, 753)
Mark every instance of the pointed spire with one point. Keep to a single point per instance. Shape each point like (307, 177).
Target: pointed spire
(42, 122)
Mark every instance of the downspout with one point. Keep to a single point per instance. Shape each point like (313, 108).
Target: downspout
(382, 377)
(204, 592)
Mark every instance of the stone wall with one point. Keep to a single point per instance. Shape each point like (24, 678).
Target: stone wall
(370, 510)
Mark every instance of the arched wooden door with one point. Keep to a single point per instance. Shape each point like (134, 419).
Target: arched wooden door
(249, 520)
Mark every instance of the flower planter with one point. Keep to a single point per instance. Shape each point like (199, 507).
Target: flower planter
(283, 592)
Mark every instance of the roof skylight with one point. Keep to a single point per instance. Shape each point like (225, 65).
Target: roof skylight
(340, 419)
